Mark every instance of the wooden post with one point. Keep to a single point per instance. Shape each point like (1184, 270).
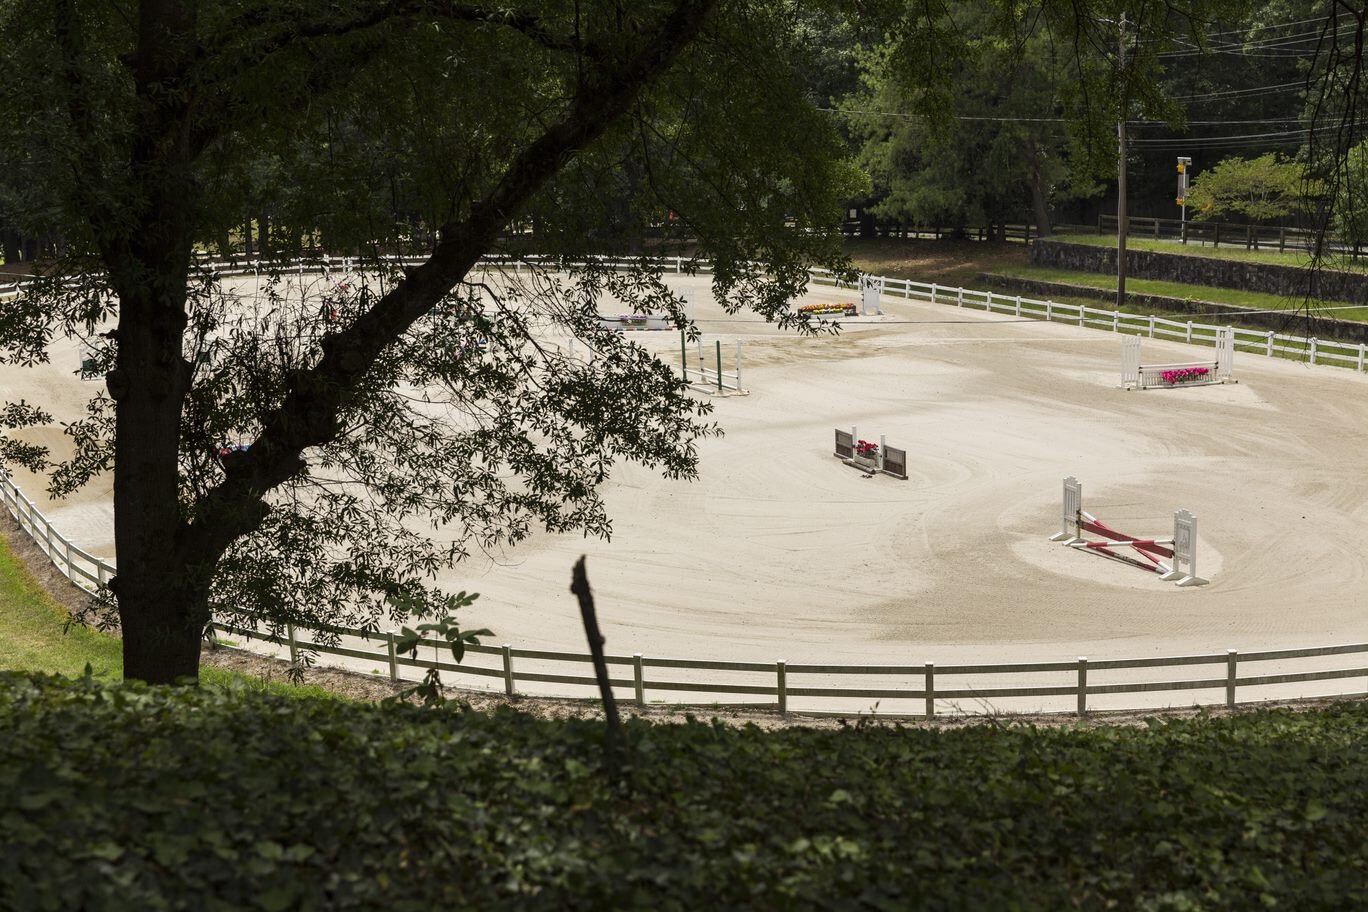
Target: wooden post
(781, 679)
(393, 658)
(1231, 658)
(1189, 331)
(1018, 305)
(1082, 685)
(930, 689)
(639, 679)
(1049, 308)
(1313, 361)
(509, 687)
(1151, 326)
(719, 365)
(1269, 348)
(684, 355)
(933, 292)
(1362, 349)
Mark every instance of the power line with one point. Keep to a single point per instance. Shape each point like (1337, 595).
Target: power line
(1232, 93)
(1323, 20)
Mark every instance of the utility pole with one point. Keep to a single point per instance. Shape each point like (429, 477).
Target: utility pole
(1184, 166)
(1121, 217)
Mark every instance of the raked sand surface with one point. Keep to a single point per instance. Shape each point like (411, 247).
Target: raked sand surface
(778, 551)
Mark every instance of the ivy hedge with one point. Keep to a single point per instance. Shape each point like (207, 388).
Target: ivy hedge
(121, 796)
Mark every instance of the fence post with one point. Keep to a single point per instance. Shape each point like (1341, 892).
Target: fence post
(1116, 321)
(1082, 685)
(1189, 331)
(1361, 350)
(1231, 658)
(933, 292)
(684, 355)
(1049, 311)
(719, 365)
(294, 650)
(1269, 349)
(639, 679)
(100, 572)
(781, 678)
(738, 365)
(393, 659)
(1313, 361)
(1018, 305)
(959, 297)
(930, 690)
(1151, 326)
(508, 670)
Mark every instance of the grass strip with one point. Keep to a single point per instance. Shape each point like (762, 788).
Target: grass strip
(1235, 251)
(35, 637)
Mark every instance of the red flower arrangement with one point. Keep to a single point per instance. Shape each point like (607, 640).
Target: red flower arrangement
(1183, 374)
(866, 449)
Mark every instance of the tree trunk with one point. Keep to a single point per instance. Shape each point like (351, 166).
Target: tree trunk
(247, 235)
(1039, 197)
(9, 246)
(162, 598)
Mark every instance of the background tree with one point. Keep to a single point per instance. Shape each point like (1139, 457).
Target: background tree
(1259, 189)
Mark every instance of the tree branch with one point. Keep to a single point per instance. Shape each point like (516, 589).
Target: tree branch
(309, 414)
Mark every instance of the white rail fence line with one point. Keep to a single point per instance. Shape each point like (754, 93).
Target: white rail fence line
(1316, 351)
(993, 681)
(923, 684)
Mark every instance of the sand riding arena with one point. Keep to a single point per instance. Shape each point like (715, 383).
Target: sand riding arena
(782, 572)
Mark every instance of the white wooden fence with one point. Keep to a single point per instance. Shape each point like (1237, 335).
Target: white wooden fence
(922, 690)
(1316, 351)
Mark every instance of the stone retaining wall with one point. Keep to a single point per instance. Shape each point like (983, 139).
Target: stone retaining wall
(1289, 281)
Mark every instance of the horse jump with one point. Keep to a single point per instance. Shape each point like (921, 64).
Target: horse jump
(1135, 375)
(1165, 556)
(870, 458)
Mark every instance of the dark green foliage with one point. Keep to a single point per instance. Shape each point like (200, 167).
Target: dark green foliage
(131, 797)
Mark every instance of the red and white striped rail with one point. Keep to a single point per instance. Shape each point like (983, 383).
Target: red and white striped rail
(1165, 556)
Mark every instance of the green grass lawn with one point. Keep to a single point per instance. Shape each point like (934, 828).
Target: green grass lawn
(33, 638)
(1298, 258)
(1256, 300)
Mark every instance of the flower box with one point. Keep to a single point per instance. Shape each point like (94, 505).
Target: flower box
(1179, 375)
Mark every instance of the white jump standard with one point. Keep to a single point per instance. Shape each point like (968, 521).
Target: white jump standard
(870, 458)
(1151, 553)
(1135, 375)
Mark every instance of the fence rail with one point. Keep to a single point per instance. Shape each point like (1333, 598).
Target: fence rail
(1248, 237)
(930, 685)
(933, 688)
